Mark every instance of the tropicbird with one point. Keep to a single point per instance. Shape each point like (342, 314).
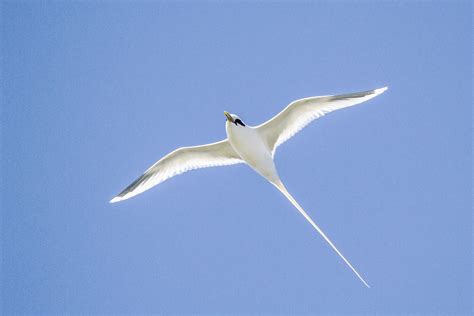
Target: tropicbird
(253, 145)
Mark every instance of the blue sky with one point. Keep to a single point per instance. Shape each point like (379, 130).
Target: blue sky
(94, 93)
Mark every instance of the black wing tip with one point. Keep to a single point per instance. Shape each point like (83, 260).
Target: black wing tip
(361, 94)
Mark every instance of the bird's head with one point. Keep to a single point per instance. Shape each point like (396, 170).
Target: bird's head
(233, 118)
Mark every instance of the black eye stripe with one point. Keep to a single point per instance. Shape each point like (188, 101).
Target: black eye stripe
(238, 121)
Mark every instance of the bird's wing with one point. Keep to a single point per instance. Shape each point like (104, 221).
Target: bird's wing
(301, 112)
(181, 160)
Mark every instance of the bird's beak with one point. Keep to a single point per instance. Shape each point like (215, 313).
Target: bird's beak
(229, 117)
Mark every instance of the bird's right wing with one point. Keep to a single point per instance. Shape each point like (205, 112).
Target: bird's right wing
(301, 112)
(179, 161)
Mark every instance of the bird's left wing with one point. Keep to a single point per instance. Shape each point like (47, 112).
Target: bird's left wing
(181, 160)
(301, 112)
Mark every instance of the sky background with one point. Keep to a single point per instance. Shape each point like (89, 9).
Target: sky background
(94, 93)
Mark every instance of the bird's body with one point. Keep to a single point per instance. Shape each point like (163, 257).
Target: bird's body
(254, 146)
(251, 147)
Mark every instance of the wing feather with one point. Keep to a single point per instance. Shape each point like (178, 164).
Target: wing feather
(301, 112)
(181, 160)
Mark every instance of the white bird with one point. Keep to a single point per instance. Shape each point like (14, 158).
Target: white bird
(254, 146)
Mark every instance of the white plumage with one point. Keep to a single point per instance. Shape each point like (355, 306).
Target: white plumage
(301, 112)
(253, 145)
(181, 160)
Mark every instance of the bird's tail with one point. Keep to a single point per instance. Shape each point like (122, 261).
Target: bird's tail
(285, 192)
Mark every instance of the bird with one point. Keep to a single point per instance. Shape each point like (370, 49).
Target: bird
(255, 146)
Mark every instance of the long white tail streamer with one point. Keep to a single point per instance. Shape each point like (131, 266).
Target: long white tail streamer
(285, 192)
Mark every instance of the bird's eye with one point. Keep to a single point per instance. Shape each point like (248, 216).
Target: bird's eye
(238, 121)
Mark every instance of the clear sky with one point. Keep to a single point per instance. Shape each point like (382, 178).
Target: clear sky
(94, 93)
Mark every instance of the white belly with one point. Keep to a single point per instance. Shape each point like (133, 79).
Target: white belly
(247, 142)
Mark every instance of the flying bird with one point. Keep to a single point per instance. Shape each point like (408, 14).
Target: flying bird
(253, 145)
